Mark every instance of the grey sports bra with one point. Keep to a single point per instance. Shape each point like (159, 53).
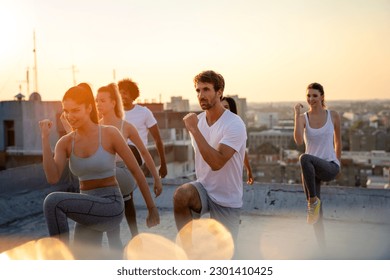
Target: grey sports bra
(98, 166)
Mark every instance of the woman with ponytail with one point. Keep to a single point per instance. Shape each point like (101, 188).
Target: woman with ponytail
(319, 130)
(110, 108)
(91, 149)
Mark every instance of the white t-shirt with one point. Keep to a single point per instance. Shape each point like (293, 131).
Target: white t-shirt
(142, 118)
(224, 186)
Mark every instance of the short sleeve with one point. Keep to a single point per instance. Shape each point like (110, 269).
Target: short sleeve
(150, 120)
(234, 134)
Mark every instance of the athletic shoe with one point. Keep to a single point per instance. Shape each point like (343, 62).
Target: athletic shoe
(313, 212)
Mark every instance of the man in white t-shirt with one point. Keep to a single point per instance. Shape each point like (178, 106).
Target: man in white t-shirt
(219, 141)
(142, 118)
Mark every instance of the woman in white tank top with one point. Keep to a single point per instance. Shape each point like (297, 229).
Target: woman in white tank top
(319, 130)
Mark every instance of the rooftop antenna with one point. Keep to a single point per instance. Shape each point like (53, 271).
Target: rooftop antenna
(114, 75)
(35, 66)
(28, 80)
(74, 71)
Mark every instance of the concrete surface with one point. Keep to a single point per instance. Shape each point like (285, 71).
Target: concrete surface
(355, 224)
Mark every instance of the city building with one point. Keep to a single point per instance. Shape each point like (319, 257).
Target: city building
(279, 137)
(266, 119)
(241, 107)
(20, 138)
(365, 169)
(178, 104)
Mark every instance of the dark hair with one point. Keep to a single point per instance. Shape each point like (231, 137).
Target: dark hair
(211, 77)
(320, 88)
(232, 104)
(112, 89)
(129, 86)
(82, 94)
(86, 86)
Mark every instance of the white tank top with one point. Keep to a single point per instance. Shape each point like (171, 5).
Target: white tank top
(319, 141)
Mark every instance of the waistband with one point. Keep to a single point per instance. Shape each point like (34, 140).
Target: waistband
(103, 191)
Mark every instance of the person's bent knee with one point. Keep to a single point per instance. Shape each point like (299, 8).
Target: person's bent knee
(182, 195)
(303, 158)
(50, 201)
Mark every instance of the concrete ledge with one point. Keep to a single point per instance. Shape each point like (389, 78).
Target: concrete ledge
(339, 203)
(24, 189)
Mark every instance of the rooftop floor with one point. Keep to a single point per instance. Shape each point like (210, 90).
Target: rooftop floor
(260, 237)
(355, 225)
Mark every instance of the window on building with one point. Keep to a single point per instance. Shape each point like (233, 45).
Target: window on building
(9, 134)
(179, 134)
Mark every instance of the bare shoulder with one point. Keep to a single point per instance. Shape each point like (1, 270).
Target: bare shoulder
(65, 142)
(128, 126)
(335, 116)
(66, 139)
(335, 119)
(128, 130)
(110, 130)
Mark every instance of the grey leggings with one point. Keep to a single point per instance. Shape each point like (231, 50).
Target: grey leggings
(314, 170)
(94, 212)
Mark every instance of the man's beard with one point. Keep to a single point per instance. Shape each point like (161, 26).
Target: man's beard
(206, 105)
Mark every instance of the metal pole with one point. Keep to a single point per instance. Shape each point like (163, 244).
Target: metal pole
(35, 66)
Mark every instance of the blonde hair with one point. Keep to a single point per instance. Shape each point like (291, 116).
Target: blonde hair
(113, 90)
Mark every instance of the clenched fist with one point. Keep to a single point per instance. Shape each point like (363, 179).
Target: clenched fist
(45, 126)
(297, 109)
(191, 121)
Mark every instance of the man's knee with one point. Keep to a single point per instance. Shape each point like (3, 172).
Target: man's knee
(181, 195)
(184, 195)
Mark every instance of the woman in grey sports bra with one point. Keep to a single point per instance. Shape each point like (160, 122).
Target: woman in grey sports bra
(91, 150)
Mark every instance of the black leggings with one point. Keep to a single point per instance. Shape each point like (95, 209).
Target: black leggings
(314, 170)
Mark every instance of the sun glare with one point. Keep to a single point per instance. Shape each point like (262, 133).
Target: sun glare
(46, 248)
(206, 239)
(8, 30)
(148, 246)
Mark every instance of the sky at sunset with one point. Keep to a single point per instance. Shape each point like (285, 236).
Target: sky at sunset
(266, 50)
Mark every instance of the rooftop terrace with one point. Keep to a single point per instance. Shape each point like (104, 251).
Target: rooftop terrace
(355, 224)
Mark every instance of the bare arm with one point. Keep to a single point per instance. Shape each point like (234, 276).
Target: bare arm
(215, 158)
(248, 170)
(337, 134)
(121, 148)
(299, 124)
(53, 165)
(132, 134)
(65, 123)
(160, 148)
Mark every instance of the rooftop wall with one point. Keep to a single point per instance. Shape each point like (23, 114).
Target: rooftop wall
(23, 190)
